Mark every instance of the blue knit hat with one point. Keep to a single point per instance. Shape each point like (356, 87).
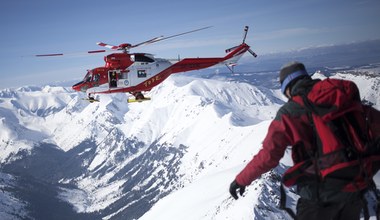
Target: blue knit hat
(290, 72)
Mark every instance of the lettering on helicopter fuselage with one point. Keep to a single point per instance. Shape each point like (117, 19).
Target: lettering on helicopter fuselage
(152, 80)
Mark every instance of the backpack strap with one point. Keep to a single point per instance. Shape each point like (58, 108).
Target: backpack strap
(317, 143)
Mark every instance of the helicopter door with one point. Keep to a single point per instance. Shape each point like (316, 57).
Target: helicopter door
(112, 76)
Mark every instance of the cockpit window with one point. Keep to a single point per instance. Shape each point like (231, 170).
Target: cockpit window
(88, 77)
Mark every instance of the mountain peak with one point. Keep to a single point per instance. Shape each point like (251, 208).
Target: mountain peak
(109, 159)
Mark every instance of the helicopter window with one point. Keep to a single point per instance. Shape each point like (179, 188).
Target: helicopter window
(96, 77)
(141, 73)
(143, 58)
(88, 77)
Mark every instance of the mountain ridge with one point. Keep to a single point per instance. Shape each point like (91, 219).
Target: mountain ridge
(110, 160)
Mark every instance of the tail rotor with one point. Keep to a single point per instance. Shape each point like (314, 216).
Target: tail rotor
(245, 33)
(253, 53)
(245, 37)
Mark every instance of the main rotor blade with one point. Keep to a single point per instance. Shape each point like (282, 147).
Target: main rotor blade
(126, 46)
(74, 53)
(156, 39)
(49, 55)
(153, 40)
(112, 47)
(96, 51)
(188, 32)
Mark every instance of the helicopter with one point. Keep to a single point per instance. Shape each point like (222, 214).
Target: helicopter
(135, 73)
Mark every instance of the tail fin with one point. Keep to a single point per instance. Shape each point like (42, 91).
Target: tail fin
(235, 53)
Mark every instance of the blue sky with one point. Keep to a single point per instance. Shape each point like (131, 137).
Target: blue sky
(50, 26)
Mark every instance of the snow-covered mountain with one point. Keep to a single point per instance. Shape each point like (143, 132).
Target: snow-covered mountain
(170, 158)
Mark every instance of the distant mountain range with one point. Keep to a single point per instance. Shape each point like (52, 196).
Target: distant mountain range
(345, 55)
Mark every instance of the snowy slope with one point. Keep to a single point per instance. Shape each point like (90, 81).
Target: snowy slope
(169, 158)
(366, 79)
(207, 198)
(23, 116)
(10, 206)
(203, 119)
(122, 151)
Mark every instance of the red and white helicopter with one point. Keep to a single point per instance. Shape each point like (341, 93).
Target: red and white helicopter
(136, 73)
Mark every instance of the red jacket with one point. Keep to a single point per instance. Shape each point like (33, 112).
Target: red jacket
(291, 127)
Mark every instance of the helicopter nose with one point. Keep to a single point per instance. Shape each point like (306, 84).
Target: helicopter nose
(78, 86)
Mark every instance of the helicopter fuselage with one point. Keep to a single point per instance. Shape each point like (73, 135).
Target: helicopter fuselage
(135, 73)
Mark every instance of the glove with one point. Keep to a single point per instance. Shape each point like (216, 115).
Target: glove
(234, 187)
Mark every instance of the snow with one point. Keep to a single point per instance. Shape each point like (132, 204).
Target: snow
(207, 196)
(78, 198)
(10, 206)
(222, 155)
(203, 195)
(218, 125)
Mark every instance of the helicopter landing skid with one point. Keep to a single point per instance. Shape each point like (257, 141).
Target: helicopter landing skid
(132, 100)
(91, 100)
